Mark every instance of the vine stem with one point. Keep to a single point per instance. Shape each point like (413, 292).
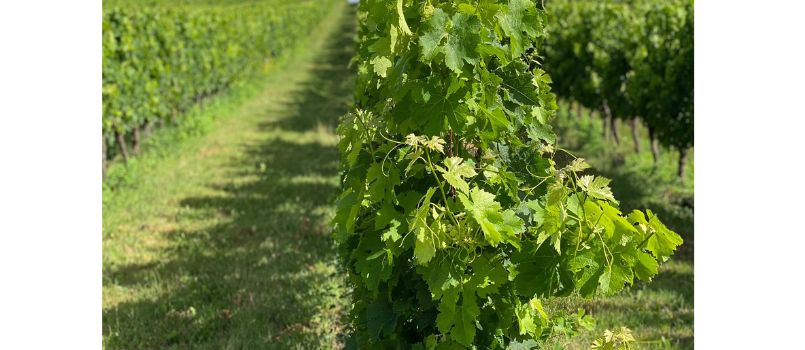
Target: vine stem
(366, 131)
(441, 188)
(450, 153)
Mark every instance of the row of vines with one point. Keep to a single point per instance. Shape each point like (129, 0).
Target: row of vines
(459, 214)
(630, 60)
(160, 60)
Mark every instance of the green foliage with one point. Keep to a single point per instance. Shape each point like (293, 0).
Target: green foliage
(159, 61)
(661, 312)
(662, 78)
(456, 217)
(621, 339)
(635, 57)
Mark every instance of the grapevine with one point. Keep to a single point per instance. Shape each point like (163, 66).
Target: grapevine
(459, 214)
(628, 60)
(160, 60)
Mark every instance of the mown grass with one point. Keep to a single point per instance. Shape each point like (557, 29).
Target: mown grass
(660, 313)
(220, 240)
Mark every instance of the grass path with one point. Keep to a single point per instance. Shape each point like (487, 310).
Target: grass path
(225, 244)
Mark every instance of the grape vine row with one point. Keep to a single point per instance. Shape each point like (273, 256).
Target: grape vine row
(628, 60)
(459, 214)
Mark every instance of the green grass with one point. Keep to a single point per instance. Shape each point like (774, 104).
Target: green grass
(220, 240)
(661, 312)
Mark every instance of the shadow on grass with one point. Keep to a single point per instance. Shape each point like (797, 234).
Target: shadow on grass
(261, 276)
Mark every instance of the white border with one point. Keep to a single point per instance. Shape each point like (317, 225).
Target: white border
(749, 76)
(750, 71)
(50, 175)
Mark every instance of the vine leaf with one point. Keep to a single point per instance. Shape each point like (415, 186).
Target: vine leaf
(429, 42)
(381, 65)
(391, 235)
(646, 266)
(461, 44)
(497, 224)
(435, 143)
(519, 21)
(461, 34)
(613, 279)
(424, 247)
(456, 170)
(381, 184)
(660, 241)
(597, 187)
(381, 319)
(460, 319)
(577, 165)
(387, 214)
(369, 264)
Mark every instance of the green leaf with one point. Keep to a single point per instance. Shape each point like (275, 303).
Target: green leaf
(462, 41)
(556, 193)
(541, 132)
(646, 266)
(461, 33)
(612, 279)
(456, 170)
(519, 87)
(386, 215)
(463, 319)
(662, 241)
(430, 107)
(519, 22)
(446, 318)
(525, 319)
(550, 227)
(372, 270)
(459, 167)
(487, 276)
(596, 187)
(381, 319)
(381, 183)
(381, 64)
(536, 304)
(351, 131)
(578, 165)
(391, 235)
(347, 210)
(497, 225)
(527, 344)
(435, 143)
(620, 224)
(437, 30)
(442, 277)
(424, 247)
